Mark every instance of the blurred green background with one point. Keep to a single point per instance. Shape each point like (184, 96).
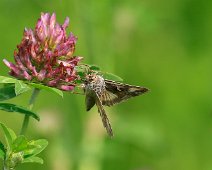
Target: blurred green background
(163, 45)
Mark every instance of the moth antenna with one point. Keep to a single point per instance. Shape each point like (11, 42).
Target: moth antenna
(78, 93)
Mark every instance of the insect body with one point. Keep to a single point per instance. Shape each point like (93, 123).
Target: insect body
(101, 92)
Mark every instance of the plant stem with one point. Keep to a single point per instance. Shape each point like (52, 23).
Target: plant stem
(4, 167)
(26, 117)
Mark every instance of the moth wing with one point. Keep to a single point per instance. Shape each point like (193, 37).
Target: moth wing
(105, 120)
(89, 102)
(108, 98)
(117, 92)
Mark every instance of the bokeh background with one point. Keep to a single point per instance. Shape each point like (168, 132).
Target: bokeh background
(163, 45)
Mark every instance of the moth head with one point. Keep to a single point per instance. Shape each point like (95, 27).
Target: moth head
(92, 77)
(89, 78)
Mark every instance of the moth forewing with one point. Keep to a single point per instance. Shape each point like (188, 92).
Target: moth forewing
(117, 92)
(90, 102)
(90, 98)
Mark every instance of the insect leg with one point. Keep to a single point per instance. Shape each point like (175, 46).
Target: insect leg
(104, 117)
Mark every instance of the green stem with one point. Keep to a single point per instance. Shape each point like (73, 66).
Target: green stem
(4, 167)
(26, 118)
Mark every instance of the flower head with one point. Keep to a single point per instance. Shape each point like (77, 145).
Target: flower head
(45, 54)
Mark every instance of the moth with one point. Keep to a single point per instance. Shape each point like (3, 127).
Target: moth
(102, 92)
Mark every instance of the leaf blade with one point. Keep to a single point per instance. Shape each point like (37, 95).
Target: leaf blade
(9, 135)
(39, 144)
(4, 79)
(110, 76)
(2, 151)
(47, 88)
(8, 107)
(21, 87)
(33, 159)
(94, 67)
(7, 92)
(19, 144)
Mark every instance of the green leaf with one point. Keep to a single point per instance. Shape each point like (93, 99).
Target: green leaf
(21, 87)
(94, 67)
(2, 154)
(9, 135)
(2, 151)
(7, 92)
(4, 79)
(12, 133)
(78, 82)
(111, 76)
(81, 74)
(20, 144)
(39, 144)
(33, 159)
(14, 108)
(47, 88)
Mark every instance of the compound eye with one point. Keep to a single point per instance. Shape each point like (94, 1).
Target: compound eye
(89, 77)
